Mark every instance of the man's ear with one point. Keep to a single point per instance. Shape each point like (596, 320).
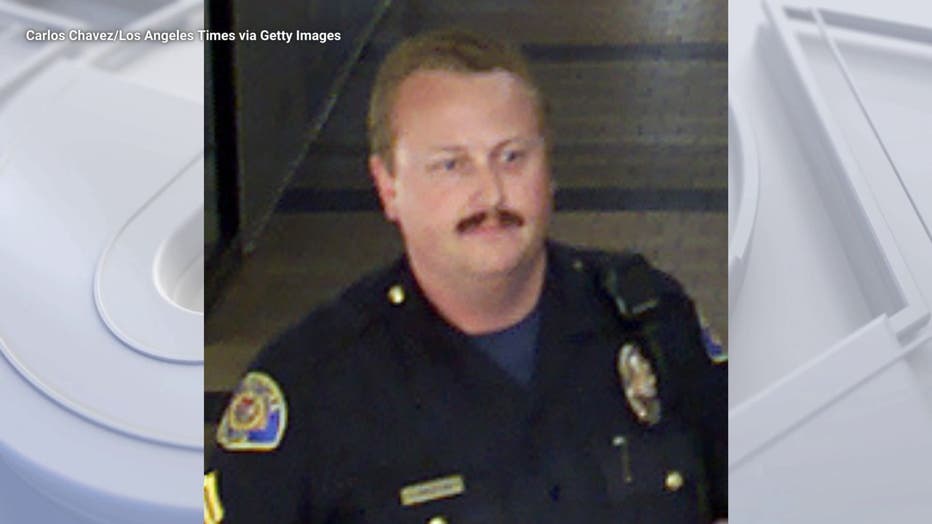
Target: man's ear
(384, 184)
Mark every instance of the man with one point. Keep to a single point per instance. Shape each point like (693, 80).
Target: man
(490, 375)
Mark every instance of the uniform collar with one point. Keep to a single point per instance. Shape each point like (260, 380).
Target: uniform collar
(568, 284)
(571, 319)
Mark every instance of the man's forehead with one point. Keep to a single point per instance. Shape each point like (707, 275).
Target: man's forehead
(498, 102)
(434, 89)
(431, 79)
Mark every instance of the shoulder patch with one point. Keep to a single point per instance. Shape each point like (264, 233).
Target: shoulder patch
(213, 509)
(714, 349)
(257, 415)
(713, 346)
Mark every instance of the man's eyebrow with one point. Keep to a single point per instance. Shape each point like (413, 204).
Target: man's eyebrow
(521, 140)
(446, 149)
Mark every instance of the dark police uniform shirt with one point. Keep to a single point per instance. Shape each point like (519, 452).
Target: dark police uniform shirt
(383, 412)
(514, 349)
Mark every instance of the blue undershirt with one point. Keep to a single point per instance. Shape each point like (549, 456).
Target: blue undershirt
(514, 348)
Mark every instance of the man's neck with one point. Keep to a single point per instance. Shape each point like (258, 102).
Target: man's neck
(478, 305)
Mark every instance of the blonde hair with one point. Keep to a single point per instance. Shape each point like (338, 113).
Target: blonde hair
(452, 50)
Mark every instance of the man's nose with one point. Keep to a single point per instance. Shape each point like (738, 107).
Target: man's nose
(490, 190)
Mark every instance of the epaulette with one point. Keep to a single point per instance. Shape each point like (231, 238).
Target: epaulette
(256, 418)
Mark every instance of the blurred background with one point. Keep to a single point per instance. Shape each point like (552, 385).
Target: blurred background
(639, 96)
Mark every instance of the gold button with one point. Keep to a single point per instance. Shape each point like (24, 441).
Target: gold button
(396, 294)
(674, 481)
(439, 519)
(577, 264)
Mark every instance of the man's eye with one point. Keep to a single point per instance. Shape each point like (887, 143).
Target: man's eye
(512, 156)
(448, 164)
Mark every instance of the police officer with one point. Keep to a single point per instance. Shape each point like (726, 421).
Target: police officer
(490, 375)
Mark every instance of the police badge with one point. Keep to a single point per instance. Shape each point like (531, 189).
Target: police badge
(639, 383)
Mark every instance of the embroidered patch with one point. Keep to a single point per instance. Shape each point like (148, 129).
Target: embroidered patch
(256, 418)
(213, 509)
(639, 383)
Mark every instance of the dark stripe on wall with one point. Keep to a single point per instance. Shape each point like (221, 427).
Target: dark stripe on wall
(618, 199)
(714, 51)
(608, 52)
(307, 200)
(361, 150)
(215, 402)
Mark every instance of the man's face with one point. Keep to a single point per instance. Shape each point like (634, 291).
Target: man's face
(470, 185)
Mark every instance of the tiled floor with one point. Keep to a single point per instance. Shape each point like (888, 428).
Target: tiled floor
(639, 91)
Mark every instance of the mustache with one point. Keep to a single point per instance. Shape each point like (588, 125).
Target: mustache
(505, 217)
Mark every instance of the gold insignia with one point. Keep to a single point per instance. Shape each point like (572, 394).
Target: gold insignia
(432, 490)
(257, 416)
(213, 509)
(396, 294)
(673, 481)
(639, 383)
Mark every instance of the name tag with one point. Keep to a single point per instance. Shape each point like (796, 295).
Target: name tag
(432, 490)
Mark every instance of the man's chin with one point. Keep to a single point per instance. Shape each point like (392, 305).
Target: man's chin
(497, 263)
(486, 271)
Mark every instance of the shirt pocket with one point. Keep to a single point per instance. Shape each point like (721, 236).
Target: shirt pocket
(654, 474)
